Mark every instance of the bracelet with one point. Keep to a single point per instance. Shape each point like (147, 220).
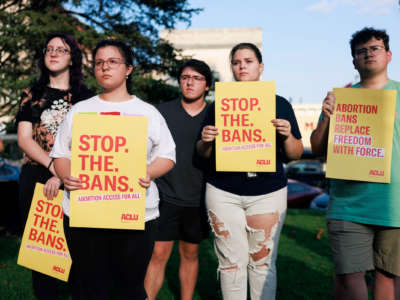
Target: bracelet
(51, 162)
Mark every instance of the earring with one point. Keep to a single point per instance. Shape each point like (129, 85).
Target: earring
(127, 76)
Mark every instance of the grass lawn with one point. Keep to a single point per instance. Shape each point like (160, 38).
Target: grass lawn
(305, 268)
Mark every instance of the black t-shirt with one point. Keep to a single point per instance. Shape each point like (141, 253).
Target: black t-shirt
(265, 182)
(184, 184)
(46, 112)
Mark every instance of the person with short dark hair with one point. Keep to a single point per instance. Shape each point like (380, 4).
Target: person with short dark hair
(101, 257)
(247, 210)
(41, 111)
(182, 214)
(364, 217)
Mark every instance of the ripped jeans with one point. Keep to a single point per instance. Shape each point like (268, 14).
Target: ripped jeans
(247, 230)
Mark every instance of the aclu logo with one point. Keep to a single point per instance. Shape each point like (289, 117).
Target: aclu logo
(58, 269)
(377, 172)
(263, 162)
(129, 217)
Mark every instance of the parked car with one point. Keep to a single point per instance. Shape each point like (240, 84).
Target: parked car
(310, 171)
(320, 202)
(301, 194)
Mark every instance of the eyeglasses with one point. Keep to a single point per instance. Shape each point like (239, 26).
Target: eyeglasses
(195, 78)
(58, 51)
(112, 63)
(372, 49)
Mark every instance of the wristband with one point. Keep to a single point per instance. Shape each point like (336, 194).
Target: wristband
(51, 162)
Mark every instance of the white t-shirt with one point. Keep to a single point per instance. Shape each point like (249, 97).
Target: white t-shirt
(159, 141)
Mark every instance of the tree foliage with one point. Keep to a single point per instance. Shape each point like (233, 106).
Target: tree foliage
(25, 25)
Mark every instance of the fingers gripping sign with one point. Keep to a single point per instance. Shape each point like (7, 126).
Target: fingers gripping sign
(282, 127)
(51, 187)
(72, 183)
(328, 104)
(209, 133)
(145, 182)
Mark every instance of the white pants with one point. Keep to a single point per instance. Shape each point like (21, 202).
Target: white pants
(247, 230)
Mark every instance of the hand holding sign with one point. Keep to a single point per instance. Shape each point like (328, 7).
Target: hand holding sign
(209, 133)
(50, 189)
(282, 127)
(328, 104)
(72, 183)
(145, 182)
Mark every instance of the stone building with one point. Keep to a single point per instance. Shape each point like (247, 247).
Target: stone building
(212, 45)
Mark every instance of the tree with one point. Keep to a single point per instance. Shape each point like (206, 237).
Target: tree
(25, 24)
(138, 23)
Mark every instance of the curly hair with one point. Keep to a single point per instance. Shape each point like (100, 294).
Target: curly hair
(364, 35)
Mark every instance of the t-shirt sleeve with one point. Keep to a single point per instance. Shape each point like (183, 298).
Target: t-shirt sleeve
(25, 108)
(285, 111)
(62, 143)
(163, 144)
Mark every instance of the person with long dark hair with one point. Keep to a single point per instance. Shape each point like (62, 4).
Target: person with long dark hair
(247, 210)
(104, 257)
(42, 109)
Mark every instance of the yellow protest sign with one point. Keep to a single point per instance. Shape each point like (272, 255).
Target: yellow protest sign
(108, 154)
(243, 114)
(361, 135)
(43, 246)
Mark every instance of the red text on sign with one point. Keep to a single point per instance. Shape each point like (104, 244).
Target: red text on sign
(46, 239)
(104, 183)
(236, 119)
(263, 162)
(54, 210)
(45, 222)
(241, 135)
(370, 152)
(350, 129)
(345, 118)
(129, 217)
(242, 104)
(59, 269)
(106, 143)
(377, 172)
(96, 162)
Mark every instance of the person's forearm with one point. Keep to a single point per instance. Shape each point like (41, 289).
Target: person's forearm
(159, 167)
(319, 138)
(62, 167)
(204, 148)
(34, 151)
(293, 147)
(31, 148)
